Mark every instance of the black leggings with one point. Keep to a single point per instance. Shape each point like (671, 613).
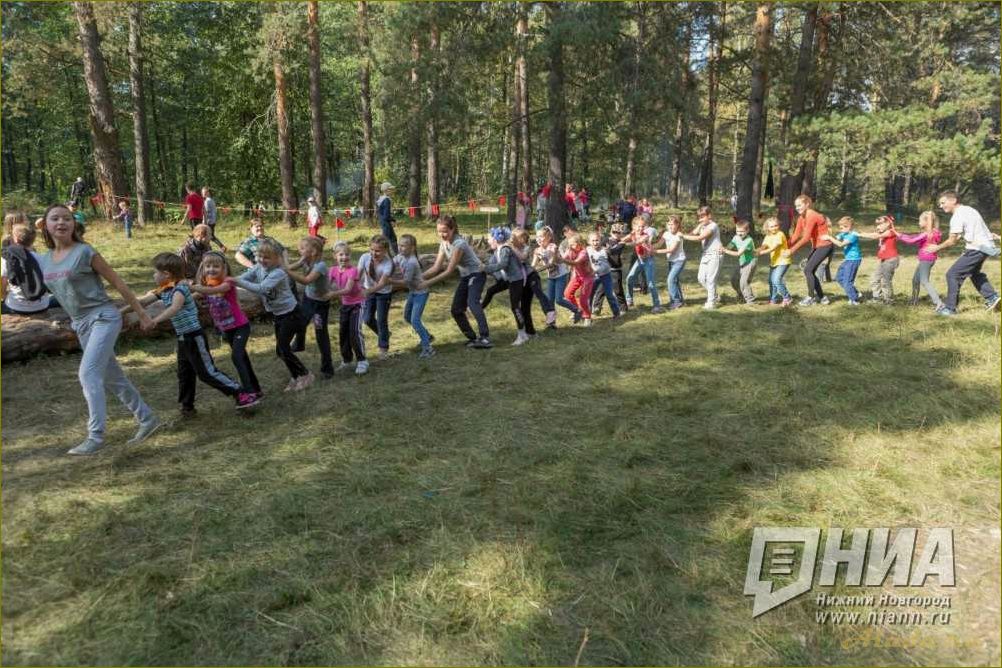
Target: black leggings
(286, 326)
(499, 286)
(814, 260)
(237, 339)
(319, 312)
(350, 333)
(467, 296)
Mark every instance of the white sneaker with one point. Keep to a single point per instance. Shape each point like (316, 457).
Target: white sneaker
(709, 306)
(521, 339)
(343, 366)
(362, 367)
(145, 430)
(586, 322)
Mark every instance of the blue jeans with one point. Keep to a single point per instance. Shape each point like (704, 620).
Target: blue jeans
(674, 285)
(846, 277)
(647, 267)
(555, 292)
(605, 280)
(386, 227)
(127, 222)
(376, 314)
(777, 286)
(412, 316)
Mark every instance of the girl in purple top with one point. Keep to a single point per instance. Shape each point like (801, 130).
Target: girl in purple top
(929, 224)
(228, 317)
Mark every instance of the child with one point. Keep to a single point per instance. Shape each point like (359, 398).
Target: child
(316, 306)
(811, 227)
(198, 244)
(417, 293)
(776, 246)
(848, 241)
(930, 234)
(224, 307)
(211, 216)
(614, 250)
(742, 246)
(267, 279)
(313, 219)
(500, 283)
(347, 286)
(642, 241)
(79, 219)
(376, 270)
(598, 257)
(882, 282)
(193, 357)
(508, 264)
(582, 278)
(674, 248)
(125, 214)
(707, 232)
(547, 256)
(454, 253)
(22, 287)
(72, 271)
(533, 285)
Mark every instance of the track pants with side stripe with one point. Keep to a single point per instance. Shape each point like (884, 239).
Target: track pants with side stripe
(195, 361)
(351, 341)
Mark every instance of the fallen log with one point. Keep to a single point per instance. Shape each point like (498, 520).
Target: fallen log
(23, 336)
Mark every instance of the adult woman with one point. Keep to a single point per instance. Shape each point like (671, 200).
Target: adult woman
(811, 227)
(455, 254)
(73, 271)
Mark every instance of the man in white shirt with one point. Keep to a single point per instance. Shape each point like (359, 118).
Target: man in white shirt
(966, 223)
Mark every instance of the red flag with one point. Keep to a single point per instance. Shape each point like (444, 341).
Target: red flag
(472, 204)
(502, 201)
(338, 223)
(347, 213)
(412, 212)
(434, 209)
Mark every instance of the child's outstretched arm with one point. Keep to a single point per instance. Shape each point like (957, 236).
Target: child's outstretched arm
(220, 289)
(176, 304)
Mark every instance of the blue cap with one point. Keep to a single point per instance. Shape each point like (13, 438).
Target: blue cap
(500, 234)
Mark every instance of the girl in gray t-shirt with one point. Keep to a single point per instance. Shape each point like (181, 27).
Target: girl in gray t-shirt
(73, 272)
(455, 253)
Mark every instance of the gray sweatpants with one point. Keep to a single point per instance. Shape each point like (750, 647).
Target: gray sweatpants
(922, 278)
(98, 331)
(709, 267)
(741, 281)
(882, 282)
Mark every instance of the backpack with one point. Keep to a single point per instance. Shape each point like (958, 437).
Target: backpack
(24, 272)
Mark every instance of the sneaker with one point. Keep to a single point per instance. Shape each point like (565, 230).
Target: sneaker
(674, 306)
(596, 310)
(853, 302)
(787, 301)
(577, 317)
(88, 447)
(551, 319)
(361, 368)
(247, 400)
(629, 304)
(482, 343)
(146, 430)
(426, 353)
(292, 386)
(825, 301)
(709, 306)
(384, 354)
(343, 366)
(657, 309)
(586, 322)
(946, 311)
(551, 325)
(992, 303)
(521, 339)
(807, 301)
(186, 412)
(304, 382)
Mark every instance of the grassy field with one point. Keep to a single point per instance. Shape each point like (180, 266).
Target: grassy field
(586, 499)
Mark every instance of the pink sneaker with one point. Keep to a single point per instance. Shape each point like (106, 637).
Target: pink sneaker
(247, 400)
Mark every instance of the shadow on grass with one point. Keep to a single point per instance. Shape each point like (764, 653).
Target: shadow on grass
(478, 513)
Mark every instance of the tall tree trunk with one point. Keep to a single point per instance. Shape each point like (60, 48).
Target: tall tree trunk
(82, 139)
(140, 136)
(630, 178)
(285, 165)
(706, 165)
(680, 121)
(514, 142)
(756, 108)
(826, 66)
(556, 208)
(798, 93)
(734, 157)
(166, 177)
(111, 176)
(844, 175)
(760, 163)
(522, 32)
(316, 104)
(435, 47)
(368, 178)
(414, 130)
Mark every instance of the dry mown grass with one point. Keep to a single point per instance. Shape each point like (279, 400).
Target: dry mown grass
(489, 507)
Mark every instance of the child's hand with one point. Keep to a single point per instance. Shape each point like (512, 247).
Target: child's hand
(146, 322)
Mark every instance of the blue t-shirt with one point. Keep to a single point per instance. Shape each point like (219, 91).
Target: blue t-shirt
(851, 248)
(184, 321)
